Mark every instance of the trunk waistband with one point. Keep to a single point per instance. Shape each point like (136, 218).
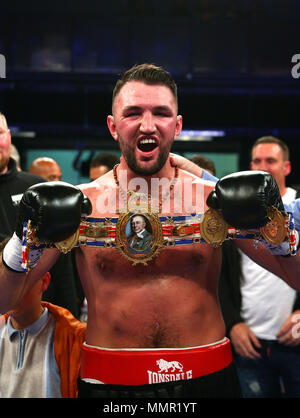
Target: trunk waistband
(148, 366)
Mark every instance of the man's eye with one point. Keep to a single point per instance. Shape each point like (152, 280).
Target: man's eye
(130, 114)
(161, 114)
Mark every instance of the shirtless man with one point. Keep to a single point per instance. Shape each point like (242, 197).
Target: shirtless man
(154, 329)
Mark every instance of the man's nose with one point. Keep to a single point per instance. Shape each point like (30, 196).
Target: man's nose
(147, 123)
(263, 166)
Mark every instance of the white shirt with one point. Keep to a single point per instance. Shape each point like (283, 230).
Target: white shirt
(28, 368)
(267, 300)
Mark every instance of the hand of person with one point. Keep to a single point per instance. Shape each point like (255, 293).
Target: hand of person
(185, 164)
(244, 341)
(289, 334)
(55, 210)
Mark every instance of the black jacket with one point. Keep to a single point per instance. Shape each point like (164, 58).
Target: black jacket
(12, 183)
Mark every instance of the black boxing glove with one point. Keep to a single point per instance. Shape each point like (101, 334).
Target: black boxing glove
(244, 198)
(55, 210)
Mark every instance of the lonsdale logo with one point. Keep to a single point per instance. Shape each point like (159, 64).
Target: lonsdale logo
(168, 371)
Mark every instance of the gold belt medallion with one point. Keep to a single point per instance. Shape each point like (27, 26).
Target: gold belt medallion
(139, 246)
(275, 230)
(213, 228)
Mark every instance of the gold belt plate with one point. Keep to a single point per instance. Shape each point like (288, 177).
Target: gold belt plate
(275, 230)
(213, 228)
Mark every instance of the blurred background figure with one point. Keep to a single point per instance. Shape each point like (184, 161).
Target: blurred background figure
(258, 307)
(204, 162)
(43, 334)
(47, 168)
(14, 153)
(101, 164)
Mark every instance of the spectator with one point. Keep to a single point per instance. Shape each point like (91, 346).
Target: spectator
(13, 183)
(101, 164)
(258, 307)
(47, 168)
(204, 162)
(14, 153)
(39, 333)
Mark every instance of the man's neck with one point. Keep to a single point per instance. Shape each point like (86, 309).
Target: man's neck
(167, 171)
(283, 190)
(22, 320)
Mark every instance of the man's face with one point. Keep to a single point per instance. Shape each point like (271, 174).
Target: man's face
(32, 299)
(98, 171)
(137, 224)
(145, 123)
(48, 170)
(5, 142)
(52, 172)
(269, 157)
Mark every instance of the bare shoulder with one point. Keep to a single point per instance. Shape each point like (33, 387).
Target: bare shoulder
(195, 191)
(100, 192)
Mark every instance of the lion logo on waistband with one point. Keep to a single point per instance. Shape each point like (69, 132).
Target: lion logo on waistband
(166, 365)
(168, 371)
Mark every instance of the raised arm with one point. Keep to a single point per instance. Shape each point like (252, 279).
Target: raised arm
(14, 285)
(187, 165)
(287, 268)
(244, 199)
(54, 210)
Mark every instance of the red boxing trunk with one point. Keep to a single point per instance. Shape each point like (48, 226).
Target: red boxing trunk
(148, 366)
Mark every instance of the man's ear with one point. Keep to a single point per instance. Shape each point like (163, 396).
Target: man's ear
(112, 127)
(45, 281)
(178, 126)
(287, 168)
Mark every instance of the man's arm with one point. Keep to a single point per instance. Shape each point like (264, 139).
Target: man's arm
(287, 268)
(244, 199)
(14, 286)
(54, 210)
(187, 165)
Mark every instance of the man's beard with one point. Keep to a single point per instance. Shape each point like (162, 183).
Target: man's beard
(155, 167)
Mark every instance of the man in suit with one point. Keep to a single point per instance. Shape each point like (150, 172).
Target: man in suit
(140, 237)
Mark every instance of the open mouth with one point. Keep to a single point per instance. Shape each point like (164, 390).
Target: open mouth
(147, 145)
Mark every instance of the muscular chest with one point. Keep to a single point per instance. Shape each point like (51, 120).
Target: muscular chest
(185, 261)
(149, 306)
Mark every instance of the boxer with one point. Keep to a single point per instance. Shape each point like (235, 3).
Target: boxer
(154, 323)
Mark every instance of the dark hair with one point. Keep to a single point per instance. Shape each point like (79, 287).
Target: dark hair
(204, 162)
(148, 74)
(273, 140)
(109, 160)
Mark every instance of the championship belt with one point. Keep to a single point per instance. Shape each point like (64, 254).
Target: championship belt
(165, 231)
